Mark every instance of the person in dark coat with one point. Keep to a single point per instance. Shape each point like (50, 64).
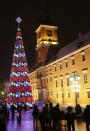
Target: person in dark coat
(56, 111)
(35, 114)
(2, 120)
(45, 117)
(19, 114)
(70, 117)
(13, 111)
(51, 110)
(86, 117)
(78, 110)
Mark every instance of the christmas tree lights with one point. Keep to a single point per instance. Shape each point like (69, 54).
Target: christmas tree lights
(19, 90)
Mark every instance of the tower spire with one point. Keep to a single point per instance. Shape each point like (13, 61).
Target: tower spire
(44, 5)
(45, 18)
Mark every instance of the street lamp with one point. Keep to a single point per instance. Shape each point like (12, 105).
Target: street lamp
(75, 87)
(2, 92)
(2, 95)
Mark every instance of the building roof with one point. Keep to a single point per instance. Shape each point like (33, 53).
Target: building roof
(52, 53)
(73, 46)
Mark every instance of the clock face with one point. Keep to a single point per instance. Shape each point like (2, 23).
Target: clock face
(49, 33)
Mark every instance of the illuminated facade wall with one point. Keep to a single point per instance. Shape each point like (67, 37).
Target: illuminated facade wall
(54, 78)
(58, 83)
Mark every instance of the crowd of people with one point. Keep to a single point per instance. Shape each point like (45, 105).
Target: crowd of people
(49, 116)
(53, 116)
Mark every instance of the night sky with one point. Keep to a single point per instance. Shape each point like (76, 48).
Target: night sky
(71, 18)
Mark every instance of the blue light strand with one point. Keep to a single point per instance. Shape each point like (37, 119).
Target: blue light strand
(19, 83)
(18, 64)
(19, 94)
(19, 73)
(19, 55)
(19, 46)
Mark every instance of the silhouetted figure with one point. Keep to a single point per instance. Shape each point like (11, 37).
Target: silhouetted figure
(7, 114)
(35, 114)
(70, 117)
(2, 120)
(19, 114)
(86, 117)
(6, 111)
(45, 117)
(41, 120)
(25, 107)
(13, 111)
(51, 110)
(78, 110)
(56, 111)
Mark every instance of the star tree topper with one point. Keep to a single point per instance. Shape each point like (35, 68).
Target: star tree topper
(18, 20)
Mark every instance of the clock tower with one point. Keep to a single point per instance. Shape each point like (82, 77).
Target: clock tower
(46, 36)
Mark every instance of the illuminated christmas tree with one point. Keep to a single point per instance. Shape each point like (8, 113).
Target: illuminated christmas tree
(19, 90)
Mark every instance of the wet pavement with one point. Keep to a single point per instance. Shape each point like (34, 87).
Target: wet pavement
(27, 123)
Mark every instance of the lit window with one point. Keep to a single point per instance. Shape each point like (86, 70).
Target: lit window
(60, 66)
(55, 68)
(49, 33)
(88, 94)
(85, 78)
(55, 32)
(68, 94)
(57, 95)
(73, 62)
(51, 93)
(61, 82)
(49, 39)
(67, 81)
(66, 64)
(56, 83)
(83, 57)
(50, 68)
(62, 95)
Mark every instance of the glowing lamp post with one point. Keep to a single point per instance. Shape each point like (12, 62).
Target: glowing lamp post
(75, 87)
(2, 92)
